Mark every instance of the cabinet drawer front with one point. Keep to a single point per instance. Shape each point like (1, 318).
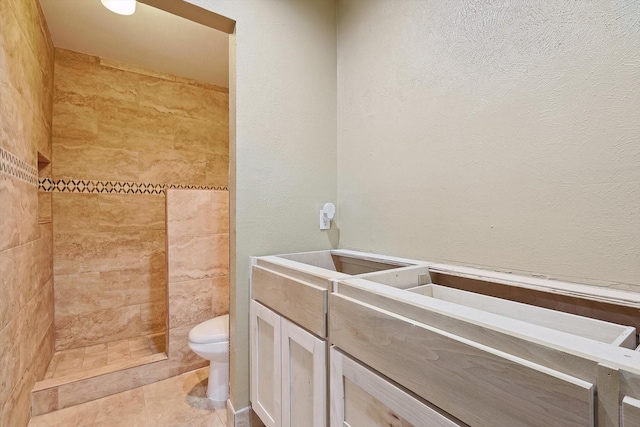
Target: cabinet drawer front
(361, 398)
(477, 384)
(301, 302)
(630, 412)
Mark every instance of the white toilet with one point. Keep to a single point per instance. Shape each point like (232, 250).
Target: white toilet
(210, 340)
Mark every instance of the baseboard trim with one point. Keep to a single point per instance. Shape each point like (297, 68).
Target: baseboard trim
(244, 417)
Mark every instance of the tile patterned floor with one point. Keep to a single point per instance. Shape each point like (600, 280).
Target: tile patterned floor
(175, 402)
(76, 360)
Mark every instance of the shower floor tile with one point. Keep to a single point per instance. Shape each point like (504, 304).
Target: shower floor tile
(74, 361)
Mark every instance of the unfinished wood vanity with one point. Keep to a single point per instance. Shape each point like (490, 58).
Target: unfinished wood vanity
(422, 344)
(288, 322)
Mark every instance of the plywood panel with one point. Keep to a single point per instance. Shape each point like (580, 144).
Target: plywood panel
(304, 378)
(623, 313)
(265, 364)
(359, 397)
(630, 412)
(301, 302)
(605, 332)
(477, 384)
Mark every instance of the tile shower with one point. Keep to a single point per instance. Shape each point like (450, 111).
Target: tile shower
(123, 139)
(90, 150)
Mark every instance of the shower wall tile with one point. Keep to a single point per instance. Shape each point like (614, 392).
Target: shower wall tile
(77, 294)
(97, 327)
(203, 136)
(26, 284)
(192, 258)
(117, 123)
(95, 251)
(9, 212)
(153, 316)
(220, 296)
(118, 213)
(190, 302)
(173, 167)
(91, 162)
(74, 119)
(217, 175)
(74, 212)
(198, 267)
(134, 126)
(178, 99)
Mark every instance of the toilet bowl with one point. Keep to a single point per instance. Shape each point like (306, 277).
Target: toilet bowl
(210, 340)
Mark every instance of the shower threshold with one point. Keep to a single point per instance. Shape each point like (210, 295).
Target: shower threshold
(101, 364)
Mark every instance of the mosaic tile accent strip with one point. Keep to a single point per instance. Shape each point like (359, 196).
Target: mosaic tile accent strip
(49, 185)
(13, 166)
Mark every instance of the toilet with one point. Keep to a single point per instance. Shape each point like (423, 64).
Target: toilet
(210, 340)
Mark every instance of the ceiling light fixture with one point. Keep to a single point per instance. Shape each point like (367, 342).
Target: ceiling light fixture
(121, 7)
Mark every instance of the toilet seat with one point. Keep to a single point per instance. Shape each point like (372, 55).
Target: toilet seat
(212, 331)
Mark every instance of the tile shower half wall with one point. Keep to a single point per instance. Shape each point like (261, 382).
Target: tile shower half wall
(118, 132)
(198, 265)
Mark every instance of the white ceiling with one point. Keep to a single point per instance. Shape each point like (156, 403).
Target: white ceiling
(150, 38)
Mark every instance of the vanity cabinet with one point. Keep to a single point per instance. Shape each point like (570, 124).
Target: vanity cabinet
(288, 371)
(289, 307)
(362, 398)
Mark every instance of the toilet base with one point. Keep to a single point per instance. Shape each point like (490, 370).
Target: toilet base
(218, 387)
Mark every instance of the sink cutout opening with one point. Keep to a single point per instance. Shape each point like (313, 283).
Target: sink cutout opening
(572, 304)
(343, 263)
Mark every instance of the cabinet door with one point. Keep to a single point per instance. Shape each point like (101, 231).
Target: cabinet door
(265, 364)
(304, 378)
(361, 398)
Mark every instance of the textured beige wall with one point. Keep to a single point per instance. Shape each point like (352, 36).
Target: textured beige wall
(500, 134)
(117, 123)
(26, 279)
(283, 150)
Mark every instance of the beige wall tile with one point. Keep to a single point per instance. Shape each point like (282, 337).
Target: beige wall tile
(205, 136)
(8, 288)
(73, 120)
(141, 124)
(220, 211)
(193, 258)
(132, 212)
(75, 212)
(29, 229)
(44, 207)
(190, 302)
(217, 170)
(43, 255)
(175, 98)
(9, 360)
(25, 286)
(13, 135)
(17, 408)
(90, 252)
(108, 86)
(153, 317)
(94, 163)
(220, 296)
(10, 212)
(173, 167)
(89, 292)
(191, 212)
(181, 358)
(97, 327)
(110, 250)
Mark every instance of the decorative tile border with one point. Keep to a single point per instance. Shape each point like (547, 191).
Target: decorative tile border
(49, 185)
(13, 166)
